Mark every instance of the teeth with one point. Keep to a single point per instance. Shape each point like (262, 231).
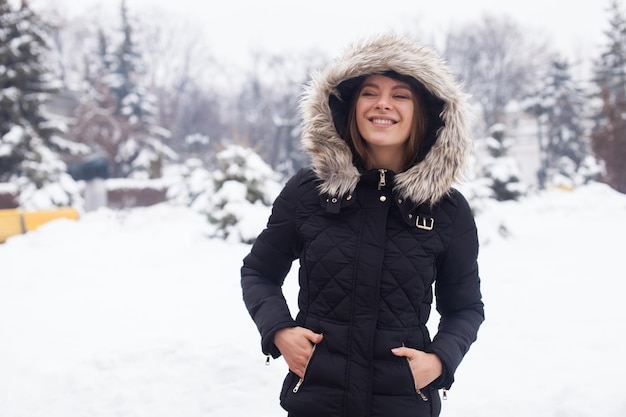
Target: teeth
(382, 121)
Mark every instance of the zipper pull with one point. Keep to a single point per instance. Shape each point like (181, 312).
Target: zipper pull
(267, 360)
(422, 395)
(297, 387)
(445, 394)
(301, 380)
(382, 181)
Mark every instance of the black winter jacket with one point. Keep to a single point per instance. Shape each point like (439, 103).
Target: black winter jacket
(371, 247)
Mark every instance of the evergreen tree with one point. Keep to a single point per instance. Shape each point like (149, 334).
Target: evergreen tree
(609, 135)
(564, 150)
(31, 148)
(500, 170)
(119, 116)
(243, 187)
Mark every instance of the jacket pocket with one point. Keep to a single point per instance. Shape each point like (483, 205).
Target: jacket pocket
(296, 388)
(418, 391)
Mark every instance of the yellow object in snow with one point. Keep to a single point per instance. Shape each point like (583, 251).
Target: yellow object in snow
(15, 222)
(10, 224)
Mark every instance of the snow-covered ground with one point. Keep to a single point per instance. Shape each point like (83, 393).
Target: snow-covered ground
(138, 313)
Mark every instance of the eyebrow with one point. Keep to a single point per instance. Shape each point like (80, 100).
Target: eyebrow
(395, 87)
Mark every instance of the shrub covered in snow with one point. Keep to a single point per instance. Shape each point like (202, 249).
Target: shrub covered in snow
(235, 197)
(501, 171)
(245, 187)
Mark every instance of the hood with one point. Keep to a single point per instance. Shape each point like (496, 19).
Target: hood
(441, 161)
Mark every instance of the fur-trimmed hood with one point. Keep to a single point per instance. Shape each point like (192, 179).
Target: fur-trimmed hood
(324, 102)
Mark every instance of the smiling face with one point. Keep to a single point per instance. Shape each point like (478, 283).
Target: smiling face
(384, 116)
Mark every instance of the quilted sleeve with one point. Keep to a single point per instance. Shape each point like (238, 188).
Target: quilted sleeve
(458, 295)
(265, 267)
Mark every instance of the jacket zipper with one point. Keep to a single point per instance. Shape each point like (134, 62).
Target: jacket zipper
(419, 392)
(301, 380)
(382, 180)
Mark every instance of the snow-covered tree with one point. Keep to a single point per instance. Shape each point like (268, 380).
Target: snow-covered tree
(608, 139)
(192, 86)
(244, 187)
(192, 185)
(118, 116)
(475, 187)
(497, 60)
(31, 146)
(500, 171)
(559, 106)
(266, 110)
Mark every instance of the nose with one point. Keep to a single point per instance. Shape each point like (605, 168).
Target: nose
(383, 102)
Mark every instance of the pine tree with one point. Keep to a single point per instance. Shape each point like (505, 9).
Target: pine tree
(119, 116)
(565, 154)
(609, 135)
(501, 171)
(31, 147)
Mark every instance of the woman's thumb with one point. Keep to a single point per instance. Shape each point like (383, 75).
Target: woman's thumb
(399, 351)
(315, 337)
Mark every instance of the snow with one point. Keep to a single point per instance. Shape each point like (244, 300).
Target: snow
(139, 313)
(8, 188)
(10, 140)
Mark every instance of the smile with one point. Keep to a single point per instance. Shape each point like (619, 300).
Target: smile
(383, 121)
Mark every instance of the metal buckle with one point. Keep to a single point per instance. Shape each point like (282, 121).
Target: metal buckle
(426, 223)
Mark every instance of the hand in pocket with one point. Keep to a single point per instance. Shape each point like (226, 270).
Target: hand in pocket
(426, 367)
(296, 346)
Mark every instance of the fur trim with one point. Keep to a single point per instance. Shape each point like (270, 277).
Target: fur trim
(430, 179)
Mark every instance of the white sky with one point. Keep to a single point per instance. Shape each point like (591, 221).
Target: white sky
(233, 27)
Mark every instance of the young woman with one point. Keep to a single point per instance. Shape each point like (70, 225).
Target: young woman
(375, 224)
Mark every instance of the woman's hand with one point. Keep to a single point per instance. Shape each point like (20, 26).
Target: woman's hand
(426, 367)
(296, 346)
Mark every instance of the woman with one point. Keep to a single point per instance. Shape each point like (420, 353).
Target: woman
(374, 224)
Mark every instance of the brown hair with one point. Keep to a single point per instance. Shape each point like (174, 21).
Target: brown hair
(419, 127)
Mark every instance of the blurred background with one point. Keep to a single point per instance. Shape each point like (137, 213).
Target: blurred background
(138, 90)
